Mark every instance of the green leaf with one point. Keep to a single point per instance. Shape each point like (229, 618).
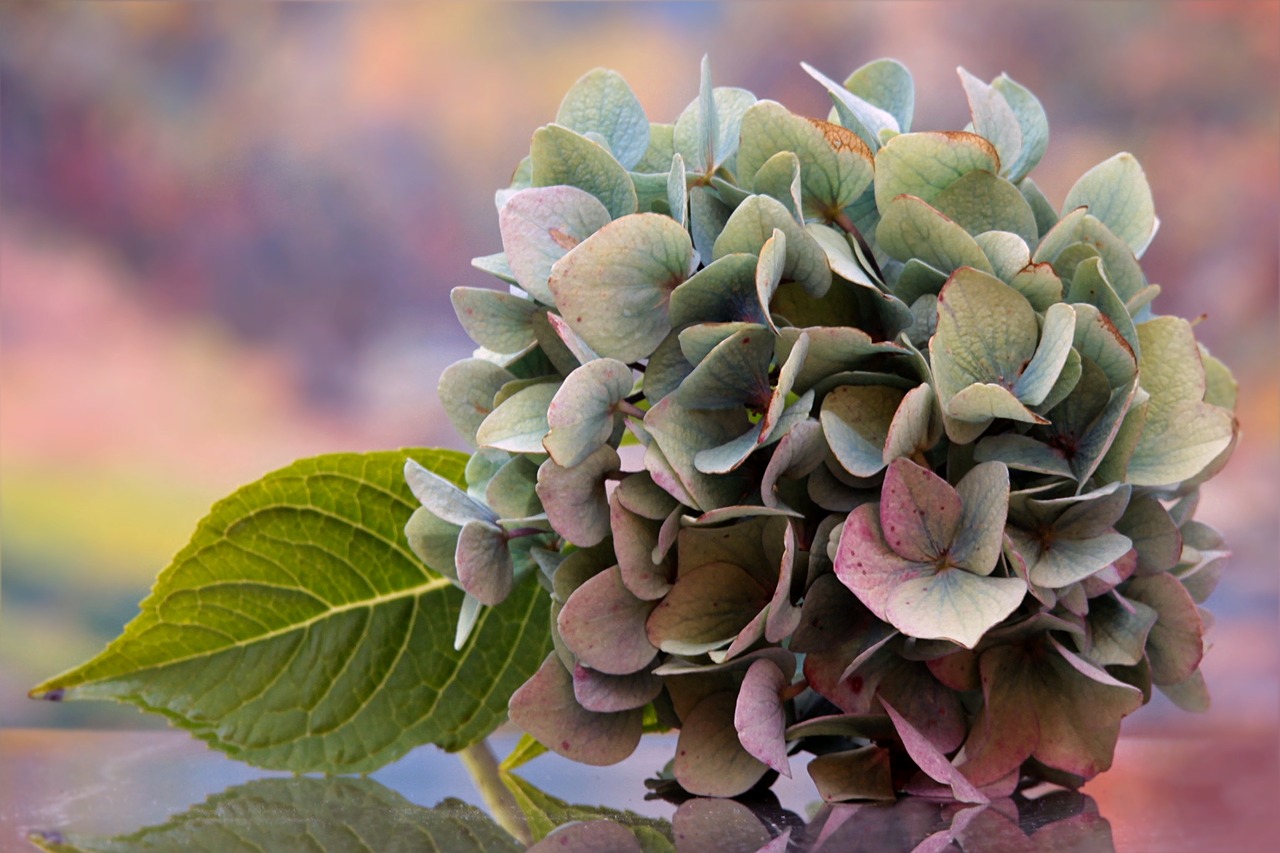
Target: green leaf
(332, 814)
(752, 224)
(993, 118)
(602, 102)
(545, 812)
(561, 156)
(540, 225)
(1183, 434)
(614, 288)
(1117, 193)
(887, 84)
(925, 164)
(910, 228)
(297, 631)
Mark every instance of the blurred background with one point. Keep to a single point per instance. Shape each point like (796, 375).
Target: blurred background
(229, 232)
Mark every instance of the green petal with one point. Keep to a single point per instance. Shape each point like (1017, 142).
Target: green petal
(710, 760)
(1116, 192)
(856, 422)
(984, 500)
(466, 391)
(1034, 125)
(1042, 372)
(602, 102)
(993, 118)
(835, 165)
(613, 288)
(859, 115)
(582, 415)
(497, 321)
(910, 228)
(979, 201)
(887, 84)
(519, 423)
(753, 223)
(1183, 434)
(925, 164)
(722, 291)
(561, 156)
(540, 225)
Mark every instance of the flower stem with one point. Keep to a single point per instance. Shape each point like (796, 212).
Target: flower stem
(483, 767)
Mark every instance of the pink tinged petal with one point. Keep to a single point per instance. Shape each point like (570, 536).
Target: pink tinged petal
(635, 540)
(1175, 645)
(484, 562)
(859, 774)
(867, 565)
(603, 624)
(706, 608)
(574, 498)
(784, 617)
(589, 837)
(710, 760)
(932, 709)
(953, 605)
(919, 512)
(931, 761)
(603, 693)
(984, 494)
(545, 707)
(702, 825)
(760, 717)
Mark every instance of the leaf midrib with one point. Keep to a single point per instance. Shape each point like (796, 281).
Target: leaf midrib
(376, 601)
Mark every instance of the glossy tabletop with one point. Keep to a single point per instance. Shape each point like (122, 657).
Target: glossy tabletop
(81, 790)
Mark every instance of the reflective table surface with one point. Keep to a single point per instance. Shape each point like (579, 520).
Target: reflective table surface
(77, 790)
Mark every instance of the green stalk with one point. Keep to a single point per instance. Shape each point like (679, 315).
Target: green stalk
(483, 767)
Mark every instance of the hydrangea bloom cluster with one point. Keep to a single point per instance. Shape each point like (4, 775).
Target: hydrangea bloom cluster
(832, 435)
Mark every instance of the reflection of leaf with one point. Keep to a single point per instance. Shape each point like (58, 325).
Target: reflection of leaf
(297, 630)
(327, 815)
(545, 812)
